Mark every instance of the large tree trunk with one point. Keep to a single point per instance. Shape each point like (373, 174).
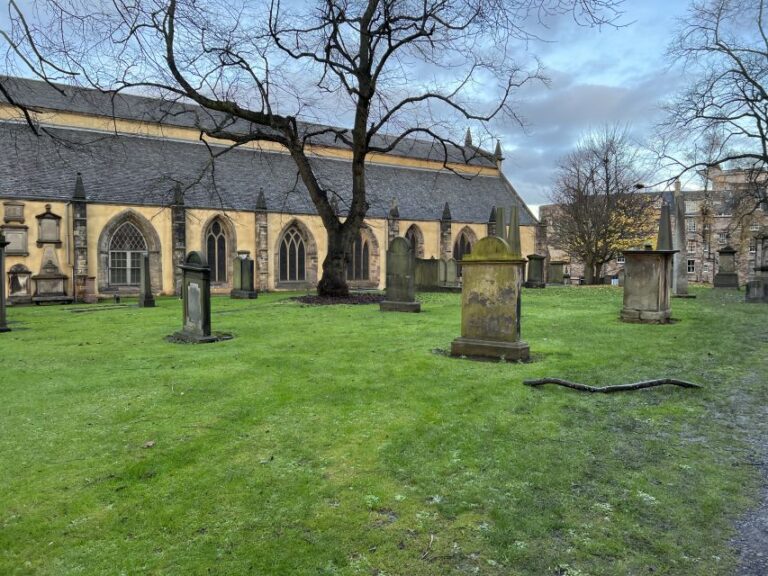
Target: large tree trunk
(589, 273)
(334, 280)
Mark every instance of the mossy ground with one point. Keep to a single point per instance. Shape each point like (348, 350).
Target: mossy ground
(335, 440)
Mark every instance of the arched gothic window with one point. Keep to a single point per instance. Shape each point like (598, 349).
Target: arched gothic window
(416, 239)
(292, 256)
(216, 251)
(125, 250)
(358, 265)
(461, 247)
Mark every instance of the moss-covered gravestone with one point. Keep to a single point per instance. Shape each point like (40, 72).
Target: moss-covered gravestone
(243, 281)
(648, 278)
(726, 276)
(490, 302)
(196, 298)
(401, 292)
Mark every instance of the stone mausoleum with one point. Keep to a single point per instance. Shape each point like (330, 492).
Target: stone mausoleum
(112, 177)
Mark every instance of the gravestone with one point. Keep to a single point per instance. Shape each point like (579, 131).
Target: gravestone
(3, 319)
(726, 276)
(556, 272)
(535, 277)
(146, 300)
(401, 266)
(680, 262)
(244, 279)
(19, 284)
(451, 273)
(427, 274)
(757, 287)
(490, 300)
(648, 278)
(196, 300)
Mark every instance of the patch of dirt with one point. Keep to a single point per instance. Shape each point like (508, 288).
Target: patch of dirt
(353, 298)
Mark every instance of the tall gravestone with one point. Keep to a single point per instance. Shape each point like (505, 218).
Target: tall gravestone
(196, 300)
(648, 278)
(680, 264)
(535, 277)
(757, 287)
(401, 291)
(146, 299)
(3, 319)
(726, 276)
(490, 298)
(243, 281)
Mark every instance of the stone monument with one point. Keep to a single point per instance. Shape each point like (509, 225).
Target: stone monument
(196, 298)
(490, 298)
(535, 277)
(726, 276)
(757, 287)
(680, 264)
(556, 271)
(3, 320)
(401, 292)
(243, 283)
(146, 300)
(647, 278)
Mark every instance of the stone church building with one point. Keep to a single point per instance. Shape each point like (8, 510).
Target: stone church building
(109, 178)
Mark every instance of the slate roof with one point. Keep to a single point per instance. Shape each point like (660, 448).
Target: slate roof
(136, 170)
(40, 95)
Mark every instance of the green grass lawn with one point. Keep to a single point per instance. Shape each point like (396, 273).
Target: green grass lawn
(339, 440)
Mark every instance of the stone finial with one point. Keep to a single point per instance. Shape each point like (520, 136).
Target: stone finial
(499, 156)
(446, 213)
(394, 211)
(492, 217)
(514, 232)
(677, 185)
(664, 240)
(79, 193)
(261, 201)
(468, 139)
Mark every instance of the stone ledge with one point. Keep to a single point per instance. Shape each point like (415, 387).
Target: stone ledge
(391, 306)
(473, 348)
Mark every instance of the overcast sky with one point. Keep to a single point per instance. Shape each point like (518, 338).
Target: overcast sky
(598, 77)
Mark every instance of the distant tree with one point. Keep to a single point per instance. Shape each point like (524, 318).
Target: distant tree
(721, 118)
(394, 68)
(600, 210)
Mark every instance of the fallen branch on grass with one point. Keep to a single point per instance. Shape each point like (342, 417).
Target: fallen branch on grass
(609, 389)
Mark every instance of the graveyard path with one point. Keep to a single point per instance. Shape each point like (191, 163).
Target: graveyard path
(751, 541)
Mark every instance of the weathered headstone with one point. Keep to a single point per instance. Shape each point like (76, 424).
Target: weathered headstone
(3, 319)
(146, 299)
(400, 278)
(490, 300)
(647, 278)
(757, 287)
(243, 282)
(535, 277)
(451, 273)
(196, 299)
(427, 277)
(726, 276)
(556, 272)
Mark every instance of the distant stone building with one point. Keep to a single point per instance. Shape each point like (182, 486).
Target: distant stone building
(714, 218)
(113, 177)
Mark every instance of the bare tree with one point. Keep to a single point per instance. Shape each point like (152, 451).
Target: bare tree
(391, 68)
(723, 45)
(600, 210)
